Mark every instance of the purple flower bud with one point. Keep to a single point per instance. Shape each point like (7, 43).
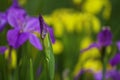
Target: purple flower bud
(105, 37)
(44, 29)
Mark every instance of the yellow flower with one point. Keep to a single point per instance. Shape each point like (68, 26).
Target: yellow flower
(68, 19)
(58, 27)
(78, 23)
(57, 47)
(94, 65)
(96, 24)
(90, 22)
(13, 57)
(93, 6)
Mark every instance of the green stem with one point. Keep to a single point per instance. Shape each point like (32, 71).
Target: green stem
(104, 69)
(104, 62)
(31, 70)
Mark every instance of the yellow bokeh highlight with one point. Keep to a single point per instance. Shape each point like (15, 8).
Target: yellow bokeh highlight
(57, 47)
(13, 57)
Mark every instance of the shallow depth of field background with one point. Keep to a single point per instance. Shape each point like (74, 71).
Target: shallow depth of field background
(76, 24)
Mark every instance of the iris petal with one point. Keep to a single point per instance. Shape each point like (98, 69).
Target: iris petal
(115, 60)
(16, 17)
(35, 41)
(32, 25)
(94, 45)
(50, 30)
(15, 38)
(3, 21)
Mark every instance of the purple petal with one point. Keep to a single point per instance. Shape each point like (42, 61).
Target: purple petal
(23, 37)
(16, 17)
(15, 38)
(32, 25)
(50, 30)
(118, 45)
(2, 49)
(110, 75)
(105, 37)
(98, 75)
(115, 60)
(113, 74)
(94, 45)
(35, 41)
(3, 21)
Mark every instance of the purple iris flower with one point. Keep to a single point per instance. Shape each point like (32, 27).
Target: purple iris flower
(23, 26)
(2, 49)
(110, 75)
(104, 39)
(44, 29)
(24, 29)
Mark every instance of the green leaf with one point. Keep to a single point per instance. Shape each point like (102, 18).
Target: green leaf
(49, 56)
(31, 70)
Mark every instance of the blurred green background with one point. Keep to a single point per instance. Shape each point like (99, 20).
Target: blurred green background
(76, 24)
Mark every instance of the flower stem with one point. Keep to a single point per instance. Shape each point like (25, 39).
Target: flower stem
(31, 70)
(104, 69)
(104, 62)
